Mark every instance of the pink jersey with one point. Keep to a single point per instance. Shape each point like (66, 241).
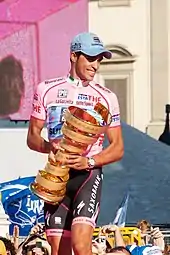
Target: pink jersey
(53, 97)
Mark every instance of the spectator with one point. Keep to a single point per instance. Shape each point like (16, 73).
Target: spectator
(11, 85)
(35, 243)
(151, 235)
(130, 249)
(9, 246)
(117, 234)
(119, 250)
(97, 248)
(2, 248)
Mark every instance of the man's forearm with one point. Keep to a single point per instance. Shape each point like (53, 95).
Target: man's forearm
(118, 238)
(111, 154)
(38, 143)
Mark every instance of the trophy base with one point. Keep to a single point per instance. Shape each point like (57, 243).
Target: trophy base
(47, 197)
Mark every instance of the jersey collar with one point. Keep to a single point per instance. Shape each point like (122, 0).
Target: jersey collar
(77, 82)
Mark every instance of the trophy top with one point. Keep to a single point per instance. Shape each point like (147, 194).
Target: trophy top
(88, 118)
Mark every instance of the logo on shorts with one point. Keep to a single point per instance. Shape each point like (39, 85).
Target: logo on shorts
(62, 93)
(93, 198)
(47, 218)
(80, 207)
(57, 220)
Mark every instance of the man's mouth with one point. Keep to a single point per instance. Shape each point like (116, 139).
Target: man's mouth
(92, 73)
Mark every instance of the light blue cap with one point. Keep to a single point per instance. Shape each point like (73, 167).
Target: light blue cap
(89, 44)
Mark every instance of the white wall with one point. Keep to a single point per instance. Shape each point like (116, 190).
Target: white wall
(129, 26)
(16, 159)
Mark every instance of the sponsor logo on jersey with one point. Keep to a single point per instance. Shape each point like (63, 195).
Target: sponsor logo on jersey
(63, 110)
(103, 88)
(116, 117)
(84, 97)
(62, 93)
(55, 131)
(36, 97)
(36, 108)
(84, 103)
(52, 115)
(64, 101)
(54, 80)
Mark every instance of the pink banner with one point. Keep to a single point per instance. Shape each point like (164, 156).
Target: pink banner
(34, 46)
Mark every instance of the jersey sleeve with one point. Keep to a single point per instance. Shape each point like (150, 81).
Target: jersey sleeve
(114, 110)
(38, 108)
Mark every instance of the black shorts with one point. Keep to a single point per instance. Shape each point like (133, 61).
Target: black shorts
(80, 205)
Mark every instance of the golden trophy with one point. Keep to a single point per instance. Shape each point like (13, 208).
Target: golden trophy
(80, 129)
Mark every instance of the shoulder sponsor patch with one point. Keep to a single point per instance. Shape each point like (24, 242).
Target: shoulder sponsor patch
(103, 88)
(116, 117)
(36, 97)
(54, 80)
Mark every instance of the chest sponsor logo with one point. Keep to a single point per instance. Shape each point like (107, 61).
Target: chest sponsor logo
(84, 97)
(55, 131)
(62, 93)
(84, 103)
(56, 114)
(64, 101)
(63, 110)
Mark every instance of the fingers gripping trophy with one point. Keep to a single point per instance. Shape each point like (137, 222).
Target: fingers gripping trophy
(81, 129)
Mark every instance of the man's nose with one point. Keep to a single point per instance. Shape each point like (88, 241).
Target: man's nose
(95, 64)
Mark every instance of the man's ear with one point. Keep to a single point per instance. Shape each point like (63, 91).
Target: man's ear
(73, 57)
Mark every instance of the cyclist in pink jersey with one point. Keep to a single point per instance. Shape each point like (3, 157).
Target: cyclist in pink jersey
(70, 224)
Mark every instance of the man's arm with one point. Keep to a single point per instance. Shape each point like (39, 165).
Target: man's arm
(34, 140)
(108, 229)
(114, 151)
(38, 117)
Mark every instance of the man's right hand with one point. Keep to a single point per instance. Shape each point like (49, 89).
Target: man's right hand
(53, 151)
(109, 229)
(51, 157)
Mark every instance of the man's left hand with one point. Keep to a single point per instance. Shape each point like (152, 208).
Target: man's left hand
(77, 162)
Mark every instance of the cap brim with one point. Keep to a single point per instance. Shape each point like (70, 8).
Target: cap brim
(94, 52)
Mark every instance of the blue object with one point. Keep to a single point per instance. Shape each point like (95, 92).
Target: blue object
(23, 208)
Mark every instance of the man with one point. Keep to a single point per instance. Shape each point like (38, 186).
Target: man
(151, 235)
(70, 224)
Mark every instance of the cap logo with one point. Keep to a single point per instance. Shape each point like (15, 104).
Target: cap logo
(97, 41)
(76, 46)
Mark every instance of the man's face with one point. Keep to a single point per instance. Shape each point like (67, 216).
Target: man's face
(87, 66)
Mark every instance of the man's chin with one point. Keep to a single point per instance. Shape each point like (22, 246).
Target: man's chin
(90, 78)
